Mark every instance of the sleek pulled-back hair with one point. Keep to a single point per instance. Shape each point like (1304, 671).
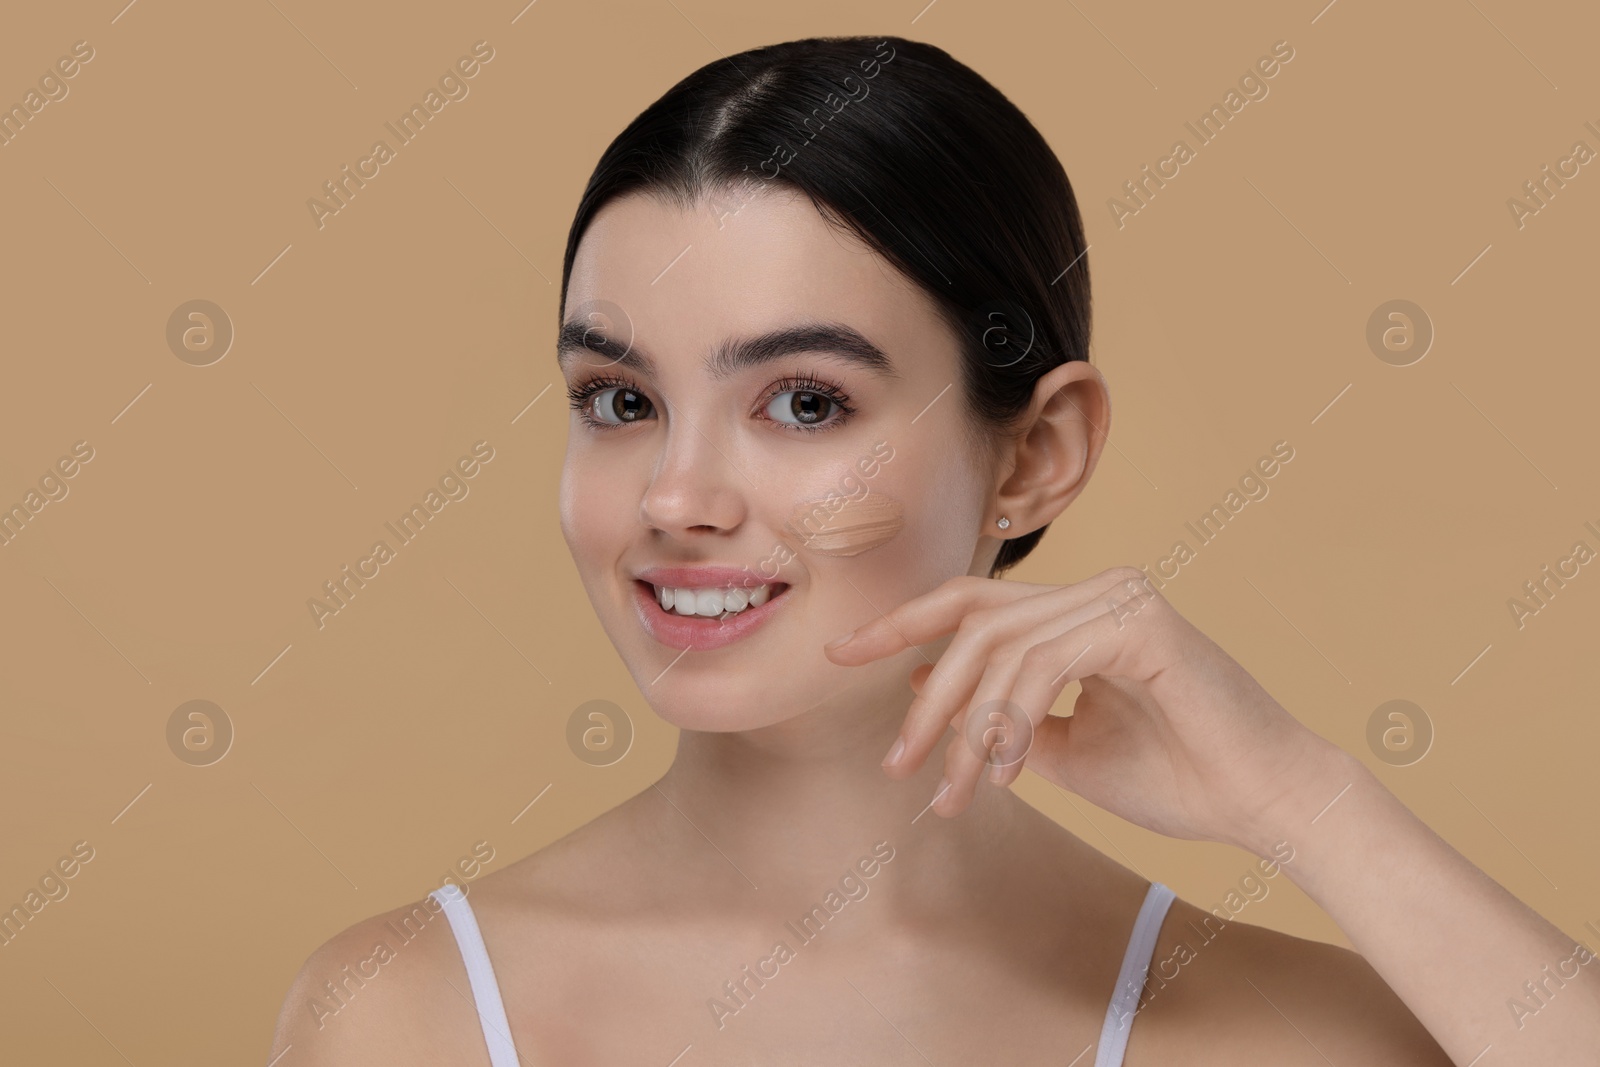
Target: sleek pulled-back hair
(916, 154)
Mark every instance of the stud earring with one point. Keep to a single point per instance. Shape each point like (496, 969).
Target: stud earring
(1003, 522)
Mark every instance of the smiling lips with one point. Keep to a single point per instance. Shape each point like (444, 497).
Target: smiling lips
(704, 608)
(711, 602)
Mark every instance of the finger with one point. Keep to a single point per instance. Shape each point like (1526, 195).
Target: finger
(1011, 729)
(927, 617)
(1120, 642)
(1108, 644)
(919, 675)
(1028, 734)
(1047, 739)
(1023, 727)
(936, 613)
(1117, 642)
(985, 723)
(1050, 744)
(981, 636)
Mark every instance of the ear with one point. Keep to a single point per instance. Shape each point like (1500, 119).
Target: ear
(1061, 437)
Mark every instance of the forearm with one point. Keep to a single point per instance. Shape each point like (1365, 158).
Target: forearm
(1451, 942)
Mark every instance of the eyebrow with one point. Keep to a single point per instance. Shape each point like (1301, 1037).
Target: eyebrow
(736, 354)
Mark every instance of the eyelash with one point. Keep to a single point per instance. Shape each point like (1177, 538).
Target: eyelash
(578, 397)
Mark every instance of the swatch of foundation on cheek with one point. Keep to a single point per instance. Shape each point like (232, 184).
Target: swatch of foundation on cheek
(846, 526)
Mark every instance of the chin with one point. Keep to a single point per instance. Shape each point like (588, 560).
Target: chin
(714, 675)
(718, 701)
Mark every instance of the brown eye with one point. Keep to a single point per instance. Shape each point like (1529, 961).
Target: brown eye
(614, 406)
(797, 407)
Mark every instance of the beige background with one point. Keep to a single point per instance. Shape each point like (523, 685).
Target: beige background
(370, 354)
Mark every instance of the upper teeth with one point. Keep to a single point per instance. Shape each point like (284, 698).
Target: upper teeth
(711, 601)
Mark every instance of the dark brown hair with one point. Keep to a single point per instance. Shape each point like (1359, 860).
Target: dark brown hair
(920, 157)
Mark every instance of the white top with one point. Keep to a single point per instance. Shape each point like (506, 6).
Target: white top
(485, 990)
(1113, 1032)
(1130, 981)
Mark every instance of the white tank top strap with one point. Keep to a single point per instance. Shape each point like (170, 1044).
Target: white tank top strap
(1114, 1031)
(480, 972)
(1130, 981)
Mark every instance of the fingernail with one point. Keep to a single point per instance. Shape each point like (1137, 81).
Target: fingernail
(944, 784)
(897, 750)
(837, 641)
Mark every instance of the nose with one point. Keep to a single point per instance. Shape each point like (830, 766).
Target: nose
(696, 488)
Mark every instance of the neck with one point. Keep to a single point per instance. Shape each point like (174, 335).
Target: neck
(789, 809)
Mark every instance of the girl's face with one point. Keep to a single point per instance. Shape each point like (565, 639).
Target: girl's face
(763, 406)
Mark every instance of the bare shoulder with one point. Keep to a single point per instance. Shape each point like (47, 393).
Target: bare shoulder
(390, 989)
(1221, 990)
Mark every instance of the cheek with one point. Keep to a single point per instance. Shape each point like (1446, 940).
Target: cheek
(570, 499)
(908, 525)
(942, 506)
(589, 512)
(846, 525)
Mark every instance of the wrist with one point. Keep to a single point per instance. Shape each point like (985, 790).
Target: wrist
(1345, 824)
(1323, 777)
